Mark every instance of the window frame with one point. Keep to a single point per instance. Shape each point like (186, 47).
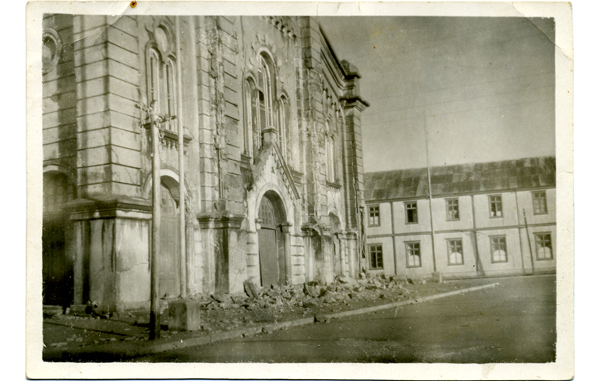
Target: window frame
(161, 83)
(378, 251)
(449, 244)
(448, 201)
(415, 215)
(491, 204)
(494, 237)
(378, 216)
(537, 247)
(410, 253)
(534, 194)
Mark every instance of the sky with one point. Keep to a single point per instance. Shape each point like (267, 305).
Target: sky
(482, 88)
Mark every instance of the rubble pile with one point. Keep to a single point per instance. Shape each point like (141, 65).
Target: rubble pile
(280, 302)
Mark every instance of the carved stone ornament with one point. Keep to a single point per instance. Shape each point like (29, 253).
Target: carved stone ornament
(263, 43)
(51, 50)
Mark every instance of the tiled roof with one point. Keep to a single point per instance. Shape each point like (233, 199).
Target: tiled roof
(464, 178)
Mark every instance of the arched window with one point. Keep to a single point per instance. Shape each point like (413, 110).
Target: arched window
(154, 78)
(329, 152)
(170, 95)
(251, 132)
(265, 94)
(260, 106)
(161, 77)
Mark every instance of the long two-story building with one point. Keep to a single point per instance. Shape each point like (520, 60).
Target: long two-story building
(483, 219)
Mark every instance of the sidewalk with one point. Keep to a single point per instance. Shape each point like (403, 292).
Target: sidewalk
(103, 339)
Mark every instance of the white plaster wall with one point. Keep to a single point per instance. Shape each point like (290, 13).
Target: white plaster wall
(539, 265)
(465, 211)
(515, 257)
(385, 219)
(468, 268)
(526, 202)
(426, 256)
(424, 220)
(388, 254)
(509, 210)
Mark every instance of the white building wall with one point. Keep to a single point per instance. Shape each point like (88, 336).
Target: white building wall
(388, 254)
(426, 268)
(440, 222)
(423, 219)
(385, 218)
(477, 252)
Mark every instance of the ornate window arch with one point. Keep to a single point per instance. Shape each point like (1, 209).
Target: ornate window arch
(261, 108)
(266, 91)
(252, 135)
(161, 74)
(330, 152)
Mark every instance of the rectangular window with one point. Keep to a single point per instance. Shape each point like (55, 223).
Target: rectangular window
(376, 254)
(543, 244)
(411, 213)
(452, 209)
(374, 215)
(496, 206)
(498, 246)
(413, 254)
(455, 252)
(539, 202)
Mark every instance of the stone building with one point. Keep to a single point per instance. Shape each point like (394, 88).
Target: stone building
(272, 174)
(478, 212)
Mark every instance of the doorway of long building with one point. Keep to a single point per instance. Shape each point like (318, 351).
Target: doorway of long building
(271, 240)
(169, 245)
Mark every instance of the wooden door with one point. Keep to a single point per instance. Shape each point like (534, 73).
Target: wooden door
(268, 241)
(169, 246)
(269, 264)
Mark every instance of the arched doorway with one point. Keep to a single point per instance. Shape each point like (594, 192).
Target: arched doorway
(271, 240)
(169, 244)
(57, 267)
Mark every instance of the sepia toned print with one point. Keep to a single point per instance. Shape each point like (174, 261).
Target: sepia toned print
(299, 189)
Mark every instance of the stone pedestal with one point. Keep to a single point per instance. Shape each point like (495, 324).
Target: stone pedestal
(230, 263)
(184, 315)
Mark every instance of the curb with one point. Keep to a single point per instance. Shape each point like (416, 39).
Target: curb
(405, 302)
(133, 349)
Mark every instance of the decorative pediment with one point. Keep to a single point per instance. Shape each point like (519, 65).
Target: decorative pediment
(280, 166)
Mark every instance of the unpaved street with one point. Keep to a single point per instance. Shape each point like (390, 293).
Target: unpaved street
(513, 322)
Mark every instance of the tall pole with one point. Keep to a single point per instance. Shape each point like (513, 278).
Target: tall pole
(429, 191)
(154, 279)
(519, 230)
(183, 267)
(478, 265)
(529, 241)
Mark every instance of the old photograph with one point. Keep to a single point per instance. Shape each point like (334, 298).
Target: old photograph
(313, 188)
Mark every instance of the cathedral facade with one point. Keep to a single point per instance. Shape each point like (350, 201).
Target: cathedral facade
(266, 122)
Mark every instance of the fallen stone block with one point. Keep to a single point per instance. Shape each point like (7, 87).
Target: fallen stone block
(251, 289)
(52, 310)
(347, 280)
(221, 298)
